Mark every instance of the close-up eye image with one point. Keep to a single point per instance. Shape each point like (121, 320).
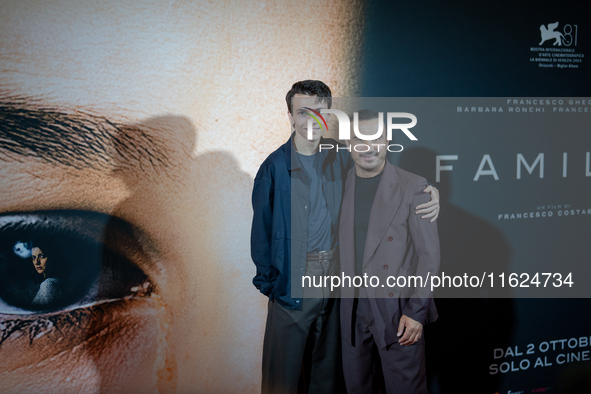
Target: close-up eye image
(52, 261)
(73, 291)
(295, 197)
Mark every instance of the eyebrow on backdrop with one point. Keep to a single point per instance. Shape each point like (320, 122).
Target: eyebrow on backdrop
(76, 139)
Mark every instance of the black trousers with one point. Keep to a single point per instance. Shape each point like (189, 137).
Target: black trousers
(403, 367)
(302, 348)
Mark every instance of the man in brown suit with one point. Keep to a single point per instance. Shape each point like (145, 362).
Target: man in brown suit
(381, 236)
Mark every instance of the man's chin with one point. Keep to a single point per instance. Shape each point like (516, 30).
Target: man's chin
(369, 167)
(316, 136)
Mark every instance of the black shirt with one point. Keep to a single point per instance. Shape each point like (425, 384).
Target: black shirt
(365, 192)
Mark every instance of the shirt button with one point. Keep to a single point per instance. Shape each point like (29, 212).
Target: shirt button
(298, 301)
(305, 207)
(385, 267)
(391, 294)
(390, 239)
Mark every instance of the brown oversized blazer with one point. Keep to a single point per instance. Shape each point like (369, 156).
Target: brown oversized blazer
(399, 243)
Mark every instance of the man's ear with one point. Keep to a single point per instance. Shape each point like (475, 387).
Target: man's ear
(290, 117)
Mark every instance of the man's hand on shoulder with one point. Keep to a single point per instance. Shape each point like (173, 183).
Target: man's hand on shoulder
(429, 209)
(412, 329)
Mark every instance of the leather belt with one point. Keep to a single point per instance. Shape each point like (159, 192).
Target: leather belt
(325, 255)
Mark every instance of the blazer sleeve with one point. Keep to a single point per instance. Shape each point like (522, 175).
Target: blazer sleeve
(260, 236)
(426, 242)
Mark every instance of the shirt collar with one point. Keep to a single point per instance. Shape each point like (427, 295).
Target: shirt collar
(289, 149)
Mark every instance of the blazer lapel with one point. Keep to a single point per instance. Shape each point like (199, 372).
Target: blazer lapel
(386, 203)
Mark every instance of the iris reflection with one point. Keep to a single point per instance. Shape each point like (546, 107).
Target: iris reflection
(46, 268)
(62, 259)
(42, 273)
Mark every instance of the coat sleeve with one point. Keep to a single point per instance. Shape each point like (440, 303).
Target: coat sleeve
(261, 234)
(426, 242)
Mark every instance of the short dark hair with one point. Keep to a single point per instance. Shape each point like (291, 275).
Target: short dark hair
(367, 114)
(310, 88)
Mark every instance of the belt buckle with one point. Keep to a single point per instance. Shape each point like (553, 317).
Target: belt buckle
(325, 255)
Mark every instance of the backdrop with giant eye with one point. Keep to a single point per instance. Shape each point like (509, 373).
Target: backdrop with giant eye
(130, 134)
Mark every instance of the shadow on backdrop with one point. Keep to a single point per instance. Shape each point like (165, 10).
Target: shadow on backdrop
(165, 162)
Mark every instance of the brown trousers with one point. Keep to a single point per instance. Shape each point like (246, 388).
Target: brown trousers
(403, 367)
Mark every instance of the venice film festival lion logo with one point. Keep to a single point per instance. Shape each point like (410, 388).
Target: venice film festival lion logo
(549, 34)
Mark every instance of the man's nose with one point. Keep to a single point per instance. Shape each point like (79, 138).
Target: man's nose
(372, 149)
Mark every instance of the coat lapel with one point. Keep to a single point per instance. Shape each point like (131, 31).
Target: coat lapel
(386, 203)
